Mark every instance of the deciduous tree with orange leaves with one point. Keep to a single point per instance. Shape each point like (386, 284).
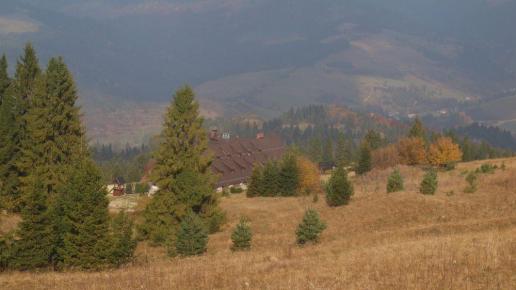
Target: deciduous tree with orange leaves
(444, 151)
(412, 151)
(385, 157)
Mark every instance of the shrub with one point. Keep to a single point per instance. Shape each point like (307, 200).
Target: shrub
(236, 189)
(395, 182)
(192, 237)
(122, 242)
(486, 168)
(310, 228)
(215, 221)
(429, 183)
(503, 166)
(338, 190)
(471, 179)
(242, 236)
(450, 166)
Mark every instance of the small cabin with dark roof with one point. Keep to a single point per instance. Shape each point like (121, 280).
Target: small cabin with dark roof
(118, 186)
(234, 158)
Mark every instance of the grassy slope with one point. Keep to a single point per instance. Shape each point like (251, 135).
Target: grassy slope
(398, 241)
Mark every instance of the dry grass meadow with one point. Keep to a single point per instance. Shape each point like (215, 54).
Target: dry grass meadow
(403, 240)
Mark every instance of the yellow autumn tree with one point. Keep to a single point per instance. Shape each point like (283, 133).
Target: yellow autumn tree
(309, 181)
(412, 151)
(444, 151)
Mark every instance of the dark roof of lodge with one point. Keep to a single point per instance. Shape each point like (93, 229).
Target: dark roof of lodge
(234, 158)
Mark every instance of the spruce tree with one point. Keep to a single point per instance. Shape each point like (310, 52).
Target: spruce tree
(364, 161)
(255, 182)
(373, 139)
(192, 237)
(182, 173)
(418, 130)
(327, 153)
(122, 243)
(338, 190)
(310, 228)
(35, 239)
(270, 179)
(6, 248)
(429, 183)
(289, 176)
(183, 142)
(18, 96)
(4, 77)
(395, 182)
(242, 236)
(27, 71)
(54, 135)
(85, 219)
(343, 152)
(9, 193)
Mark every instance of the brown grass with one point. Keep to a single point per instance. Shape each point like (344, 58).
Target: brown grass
(400, 240)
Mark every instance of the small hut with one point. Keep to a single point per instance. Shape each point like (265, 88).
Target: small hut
(119, 186)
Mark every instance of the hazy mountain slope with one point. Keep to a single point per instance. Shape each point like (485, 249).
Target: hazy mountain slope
(396, 56)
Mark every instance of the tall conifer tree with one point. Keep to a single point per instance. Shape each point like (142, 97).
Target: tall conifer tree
(19, 94)
(4, 77)
(418, 130)
(182, 173)
(9, 193)
(364, 161)
(35, 241)
(85, 243)
(54, 135)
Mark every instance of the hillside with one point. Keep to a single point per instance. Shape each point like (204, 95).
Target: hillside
(404, 240)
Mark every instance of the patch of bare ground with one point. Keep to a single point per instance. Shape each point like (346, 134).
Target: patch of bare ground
(404, 240)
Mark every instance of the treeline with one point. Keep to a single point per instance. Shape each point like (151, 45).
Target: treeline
(494, 136)
(276, 178)
(128, 163)
(47, 175)
(423, 147)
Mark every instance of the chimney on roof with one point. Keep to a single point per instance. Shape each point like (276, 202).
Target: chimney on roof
(214, 134)
(260, 136)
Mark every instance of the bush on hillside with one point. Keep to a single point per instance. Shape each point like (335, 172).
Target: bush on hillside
(242, 236)
(472, 180)
(429, 183)
(339, 190)
(395, 182)
(486, 168)
(310, 228)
